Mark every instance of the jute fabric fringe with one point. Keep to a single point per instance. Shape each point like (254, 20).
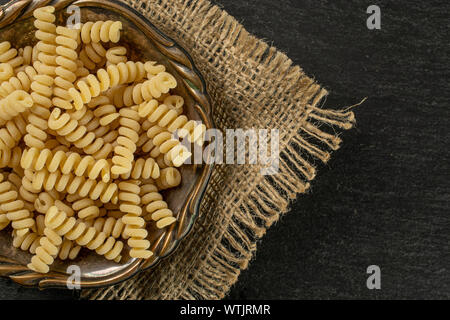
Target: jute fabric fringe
(252, 85)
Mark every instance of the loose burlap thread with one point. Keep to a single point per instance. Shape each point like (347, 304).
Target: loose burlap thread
(252, 85)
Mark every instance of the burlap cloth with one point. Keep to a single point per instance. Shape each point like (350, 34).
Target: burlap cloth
(252, 85)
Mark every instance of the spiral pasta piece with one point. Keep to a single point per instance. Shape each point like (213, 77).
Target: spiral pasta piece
(5, 186)
(45, 200)
(111, 227)
(10, 157)
(22, 81)
(150, 89)
(27, 193)
(48, 249)
(143, 169)
(6, 71)
(116, 55)
(69, 250)
(43, 179)
(114, 75)
(28, 242)
(107, 134)
(29, 55)
(134, 224)
(169, 178)
(46, 34)
(12, 132)
(66, 60)
(153, 68)
(93, 55)
(145, 143)
(81, 72)
(169, 118)
(73, 132)
(88, 140)
(116, 95)
(175, 152)
(156, 208)
(86, 209)
(106, 31)
(12, 209)
(15, 103)
(128, 136)
(79, 232)
(41, 94)
(66, 162)
(104, 110)
(9, 55)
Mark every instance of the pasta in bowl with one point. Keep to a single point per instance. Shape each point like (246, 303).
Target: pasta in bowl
(94, 163)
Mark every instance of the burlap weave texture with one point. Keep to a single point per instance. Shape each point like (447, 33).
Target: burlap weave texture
(252, 85)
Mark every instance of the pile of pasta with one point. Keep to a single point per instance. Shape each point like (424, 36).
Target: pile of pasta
(87, 143)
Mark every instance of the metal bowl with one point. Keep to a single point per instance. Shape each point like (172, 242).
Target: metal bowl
(145, 42)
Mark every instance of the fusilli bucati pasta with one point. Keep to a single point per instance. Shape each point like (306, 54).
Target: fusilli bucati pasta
(88, 139)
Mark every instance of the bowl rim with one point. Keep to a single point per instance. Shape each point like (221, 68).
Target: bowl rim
(169, 241)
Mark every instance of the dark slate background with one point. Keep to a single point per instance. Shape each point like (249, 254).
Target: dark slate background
(384, 198)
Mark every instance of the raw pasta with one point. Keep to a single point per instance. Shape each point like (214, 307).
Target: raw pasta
(87, 142)
(9, 55)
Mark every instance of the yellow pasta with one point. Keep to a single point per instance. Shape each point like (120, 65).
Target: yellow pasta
(22, 81)
(148, 90)
(29, 55)
(15, 103)
(86, 209)
(104, 110)
(69, 250)
(12, 209)
(81, 72)
(73, 132)
(106, 31)
(27, 193)
(44, 201)
(9, 55)
(114, 75)
(79, 232)
(128, 136)
(156, 208)
(66, 162)
(116, 55)
(103, 133)
(87, 141)
(45, 254)
(12, 132)
(93, 56)
(28, 242)
(36, 129)
(45, 180)
(143, 169)
(66, 60)
(167, 117)
(153, 68)
(6, 71)
(10, 157)
(111, 227)
(134, 224)
(169, 178)
(46, 34)
(175, 152)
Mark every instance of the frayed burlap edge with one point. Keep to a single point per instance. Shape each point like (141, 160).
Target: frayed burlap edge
(252, 85)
